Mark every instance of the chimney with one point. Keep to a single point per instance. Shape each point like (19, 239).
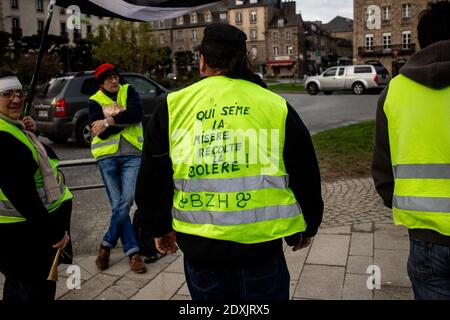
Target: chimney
(288, 8)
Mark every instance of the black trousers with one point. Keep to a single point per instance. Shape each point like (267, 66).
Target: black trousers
(28, 290)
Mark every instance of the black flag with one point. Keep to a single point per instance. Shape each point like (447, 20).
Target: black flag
(137, 10)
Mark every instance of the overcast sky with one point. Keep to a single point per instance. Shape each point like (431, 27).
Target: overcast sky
(324, 10)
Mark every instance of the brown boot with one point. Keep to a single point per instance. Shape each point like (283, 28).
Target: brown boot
(102, 260)
(137, 265)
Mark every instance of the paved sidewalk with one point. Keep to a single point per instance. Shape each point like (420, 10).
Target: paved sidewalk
(357, 232)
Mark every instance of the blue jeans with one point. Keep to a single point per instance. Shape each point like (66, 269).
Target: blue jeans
(268, 280)
(429, 270)
(119, 175)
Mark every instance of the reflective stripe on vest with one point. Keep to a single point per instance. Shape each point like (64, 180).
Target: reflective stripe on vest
(419, 138)
(8, 210)
(241, 202)
(133, 134)
(8, 214)
(231, 184)
(429, 204)
(230, 218)
(422, 171)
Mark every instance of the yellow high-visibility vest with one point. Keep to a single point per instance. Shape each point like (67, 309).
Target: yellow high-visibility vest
(419, 136)
(226, 146)
(8, 213)
(133, 134)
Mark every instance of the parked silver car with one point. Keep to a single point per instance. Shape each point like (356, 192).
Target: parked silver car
(358, 79)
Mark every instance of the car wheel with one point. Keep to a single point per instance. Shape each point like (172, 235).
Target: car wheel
(312, 89)
(358, 88)
(58, 138)
(83, 133)
(328, 93)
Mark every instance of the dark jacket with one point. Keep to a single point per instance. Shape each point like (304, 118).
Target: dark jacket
(133, 113)
(28, 242)
(431, 68)
(154, 193)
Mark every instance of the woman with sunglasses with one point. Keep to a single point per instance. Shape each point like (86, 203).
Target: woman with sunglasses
(35, 205)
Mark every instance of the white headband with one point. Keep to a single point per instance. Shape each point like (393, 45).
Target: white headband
(10, 83)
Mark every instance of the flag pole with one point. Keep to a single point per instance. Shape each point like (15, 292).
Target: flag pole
(37, 66)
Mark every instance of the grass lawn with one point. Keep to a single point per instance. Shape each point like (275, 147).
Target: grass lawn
(345, 152)
(287, 87)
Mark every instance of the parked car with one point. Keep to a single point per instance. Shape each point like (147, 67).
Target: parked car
(358, 78)
(381, 69)
(61, 105)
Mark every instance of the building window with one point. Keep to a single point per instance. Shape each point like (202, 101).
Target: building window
(194, 17)
(162, 39)
(406, 10)
(239, 2)
(39, 5)
(180, 35)
(40, 26)
(63, 29)
(15, 25)
(88, 29)
(76, 34)
(161, 24)
(276, 51)
(280, 23)
(387, 41)
(180, 20)
(208, 17)
(238, 17)
(386, 13)
(223, 16)
(290, 50)
(369, 42)
(406, 39)
(14, 4)
(275, 36)
(253, 1)
(288, 35)
(194, 35)
(253, 17)
(253, 34)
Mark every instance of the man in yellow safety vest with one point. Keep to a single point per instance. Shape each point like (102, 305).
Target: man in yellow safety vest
(228, 171)
(411, 162)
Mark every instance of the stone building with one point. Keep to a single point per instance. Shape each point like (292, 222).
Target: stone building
(286, 43)
(386, 30)
(320, 48)
(27, 17)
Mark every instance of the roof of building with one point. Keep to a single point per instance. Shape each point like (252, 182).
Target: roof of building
(246, 3)
(289, 21)
(339, 24)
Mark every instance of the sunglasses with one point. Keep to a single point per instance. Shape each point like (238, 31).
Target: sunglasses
(9, 94)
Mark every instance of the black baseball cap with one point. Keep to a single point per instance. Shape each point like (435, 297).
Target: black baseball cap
(222, 41)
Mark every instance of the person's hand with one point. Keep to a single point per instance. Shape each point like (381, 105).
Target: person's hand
(304, 243)
(29, 124)
(63, 243)
(98, 127)
(167, 244)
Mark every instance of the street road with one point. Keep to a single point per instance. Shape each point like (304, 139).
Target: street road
(91, 209)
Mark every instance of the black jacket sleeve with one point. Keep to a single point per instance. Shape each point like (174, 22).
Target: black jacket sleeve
(154, 187)
(303, 170)
(17, 179)
(381, 163)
